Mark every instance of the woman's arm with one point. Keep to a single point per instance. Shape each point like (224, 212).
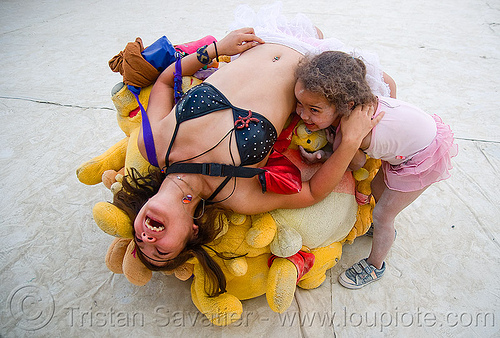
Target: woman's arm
(161, 99)
(324, 181)
(392, 84)
(313, 191)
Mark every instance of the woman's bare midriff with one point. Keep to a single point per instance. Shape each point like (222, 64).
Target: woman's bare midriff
(262, 80)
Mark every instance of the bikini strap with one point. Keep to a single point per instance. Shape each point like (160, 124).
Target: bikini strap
(214, 169)
(218, 190)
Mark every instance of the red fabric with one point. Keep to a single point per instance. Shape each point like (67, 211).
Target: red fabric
(362, 199)
(285, 137)
(282, 176)
(302, 260)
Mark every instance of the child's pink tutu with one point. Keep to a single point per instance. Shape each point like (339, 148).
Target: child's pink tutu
(428, 166)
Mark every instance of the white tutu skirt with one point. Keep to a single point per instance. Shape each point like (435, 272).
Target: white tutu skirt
(300, 34)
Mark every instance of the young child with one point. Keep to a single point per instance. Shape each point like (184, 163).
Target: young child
(415, 148)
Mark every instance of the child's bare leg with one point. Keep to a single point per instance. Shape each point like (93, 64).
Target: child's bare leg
(378, 185)
(388, 206)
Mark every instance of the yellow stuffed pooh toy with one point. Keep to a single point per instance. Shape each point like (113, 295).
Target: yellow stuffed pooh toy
(129, 120)
(248, 276)
(320, 229)
(121, 256)
(309, 140)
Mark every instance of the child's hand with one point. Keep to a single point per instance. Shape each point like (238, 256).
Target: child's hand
(359, 123)
(238, 41)
(314, 157)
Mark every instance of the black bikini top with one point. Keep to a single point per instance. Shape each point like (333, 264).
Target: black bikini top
(255, 136)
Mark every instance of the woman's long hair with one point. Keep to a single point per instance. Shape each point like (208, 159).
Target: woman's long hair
(136, 191)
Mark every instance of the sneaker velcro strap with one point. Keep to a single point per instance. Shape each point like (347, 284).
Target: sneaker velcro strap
(357, 268)
(365, 266)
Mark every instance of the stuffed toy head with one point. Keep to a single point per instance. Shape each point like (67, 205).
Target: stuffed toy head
(127, 108)
(310, 141)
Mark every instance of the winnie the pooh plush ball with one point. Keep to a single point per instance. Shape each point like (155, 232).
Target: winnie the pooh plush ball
(261, 244)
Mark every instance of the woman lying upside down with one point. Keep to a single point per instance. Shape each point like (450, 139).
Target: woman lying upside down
(211, 143)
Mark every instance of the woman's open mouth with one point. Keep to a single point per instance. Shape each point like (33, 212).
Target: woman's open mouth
(153, 225)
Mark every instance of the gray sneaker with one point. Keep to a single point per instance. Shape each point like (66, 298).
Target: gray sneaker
(361, 274)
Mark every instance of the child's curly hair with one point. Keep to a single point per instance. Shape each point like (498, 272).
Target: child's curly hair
(339, 77)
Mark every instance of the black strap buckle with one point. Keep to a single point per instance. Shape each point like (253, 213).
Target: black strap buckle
(212, 169)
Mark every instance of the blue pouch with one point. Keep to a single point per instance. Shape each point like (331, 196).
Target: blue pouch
(160, 54)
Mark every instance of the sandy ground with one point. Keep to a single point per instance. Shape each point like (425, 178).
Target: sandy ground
(56, 113)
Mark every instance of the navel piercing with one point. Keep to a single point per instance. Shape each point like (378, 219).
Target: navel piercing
(276, 58)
